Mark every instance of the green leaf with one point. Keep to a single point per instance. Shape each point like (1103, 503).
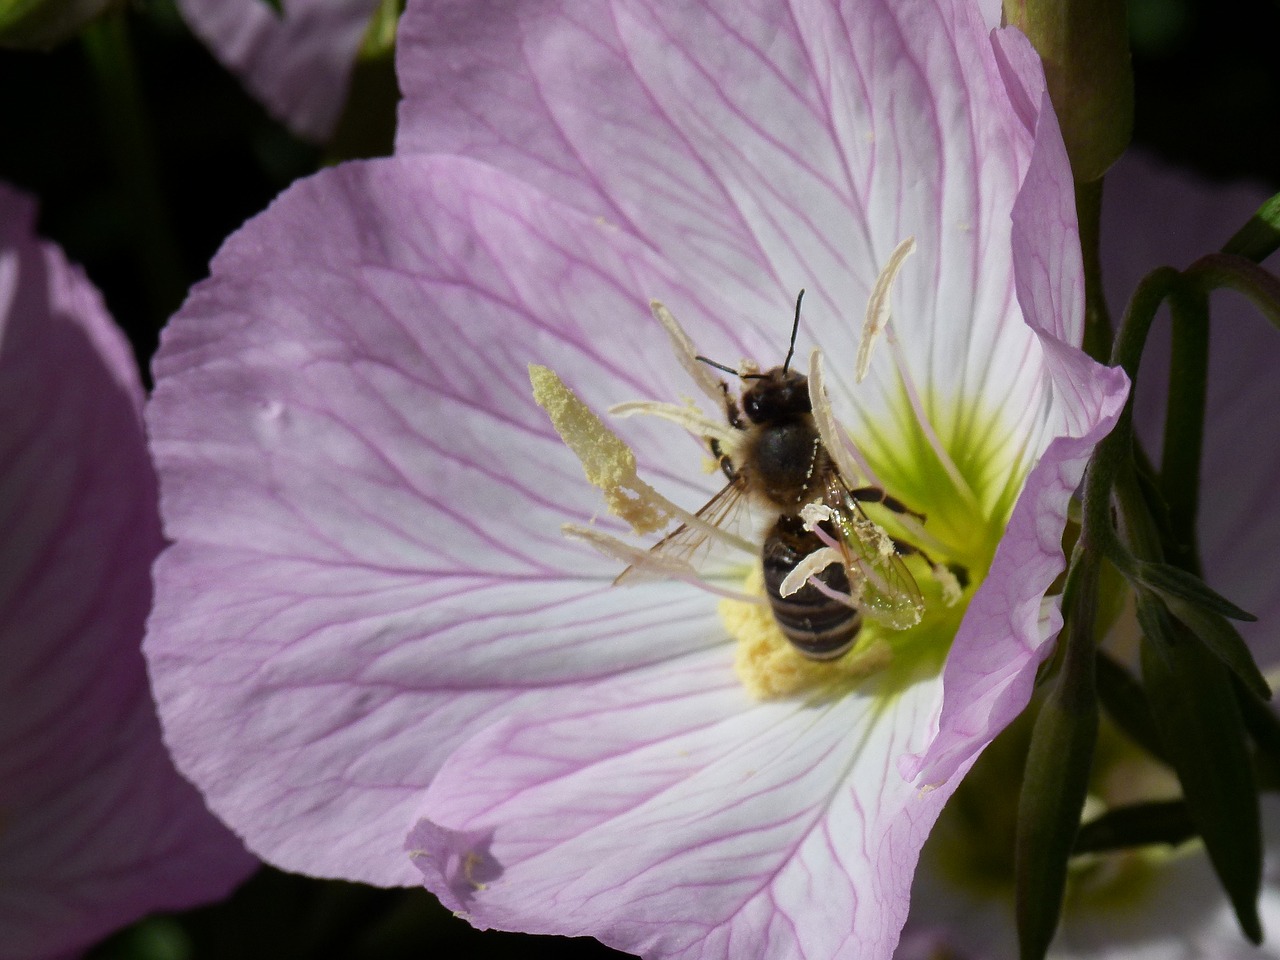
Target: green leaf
(42, 24)
(1264, 729)
(1139, 825)
(1199, 722)
(1170, 581)
(1224, 641)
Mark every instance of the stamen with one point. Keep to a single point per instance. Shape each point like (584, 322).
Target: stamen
(876, 323)
(611, 465)
(877, 317)
(687, 416)
(685, 352)
(950, 584)
(663, 567)
(852, 600)
(608, 462)
(849, 461)
(808, 568)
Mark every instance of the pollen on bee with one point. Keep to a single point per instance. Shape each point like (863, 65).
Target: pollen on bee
(769, 666)
(814, 513)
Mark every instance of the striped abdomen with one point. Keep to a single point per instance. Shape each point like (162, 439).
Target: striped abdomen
(819, 627)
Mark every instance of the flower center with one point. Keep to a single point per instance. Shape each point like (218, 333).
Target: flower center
(874, 541)
(964, 485)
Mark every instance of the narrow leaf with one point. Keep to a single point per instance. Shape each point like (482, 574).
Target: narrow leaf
(1141, 824)
(1053, 791)
(1199, 721)
(1170, 581)
(1224, 641)
(1264, 729)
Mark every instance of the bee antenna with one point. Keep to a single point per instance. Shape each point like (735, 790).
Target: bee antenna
(795, 328)
(719, 366)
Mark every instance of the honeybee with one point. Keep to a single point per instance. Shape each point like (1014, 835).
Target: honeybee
(782, 465)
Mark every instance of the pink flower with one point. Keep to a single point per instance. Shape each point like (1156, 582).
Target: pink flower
(370, 626)
(1152, 903)
(96, 827)
(296, 61)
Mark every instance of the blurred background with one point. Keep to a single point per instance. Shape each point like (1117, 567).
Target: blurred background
(145, 154)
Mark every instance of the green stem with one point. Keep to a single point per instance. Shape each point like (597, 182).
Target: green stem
(1260, 237)
(1116, 449)
(1097, 319)
(1184, 421)
(124, 123)
(1225, 270)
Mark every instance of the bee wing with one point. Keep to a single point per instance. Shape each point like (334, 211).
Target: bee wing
(890, 594)
(683, 543)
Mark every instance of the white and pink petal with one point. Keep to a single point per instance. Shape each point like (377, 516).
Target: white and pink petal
(668, 815)
(367, 501)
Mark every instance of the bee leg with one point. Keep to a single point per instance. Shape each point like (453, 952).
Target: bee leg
(731, 410)
(722, 458)
(876, 495)
(906, 549)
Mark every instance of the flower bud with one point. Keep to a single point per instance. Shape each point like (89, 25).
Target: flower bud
(1085, 48)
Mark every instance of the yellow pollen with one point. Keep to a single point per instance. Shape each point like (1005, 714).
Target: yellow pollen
(607, 461)
(770, 667)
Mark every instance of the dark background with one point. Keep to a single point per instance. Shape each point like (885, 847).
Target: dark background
(145, 154)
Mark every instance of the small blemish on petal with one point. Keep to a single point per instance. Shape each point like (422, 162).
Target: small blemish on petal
(461, 858)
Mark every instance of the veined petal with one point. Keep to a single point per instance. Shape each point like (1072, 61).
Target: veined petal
(367, 501)
(1008, 627)
(346, 437)
(96, 827)
(748, 813)
(764, 148)
(297, 61)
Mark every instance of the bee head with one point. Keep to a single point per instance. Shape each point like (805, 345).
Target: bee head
(777, 395)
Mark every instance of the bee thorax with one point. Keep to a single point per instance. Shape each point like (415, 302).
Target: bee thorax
(788, 460)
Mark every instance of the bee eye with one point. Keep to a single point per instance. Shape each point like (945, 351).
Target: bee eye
(751, 404)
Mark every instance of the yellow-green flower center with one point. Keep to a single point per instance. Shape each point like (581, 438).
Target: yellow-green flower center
(965, 478)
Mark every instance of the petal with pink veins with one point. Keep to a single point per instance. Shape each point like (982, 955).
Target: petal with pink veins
(667, 815)
(369, 619)
(366, 500)
(96, 827)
